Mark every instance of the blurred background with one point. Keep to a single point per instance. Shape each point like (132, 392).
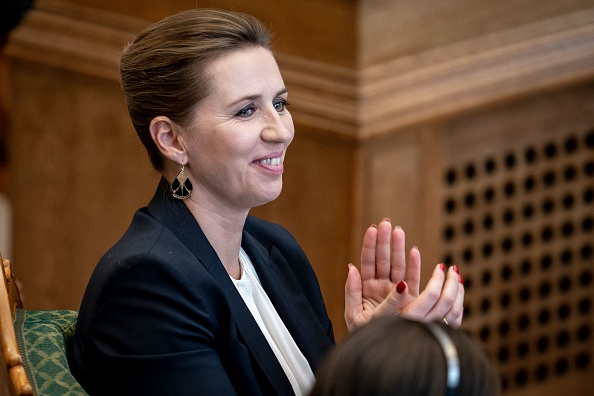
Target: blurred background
(469, 123)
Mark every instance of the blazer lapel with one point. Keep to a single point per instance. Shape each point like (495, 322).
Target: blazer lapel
(251, 333)
(288, 298)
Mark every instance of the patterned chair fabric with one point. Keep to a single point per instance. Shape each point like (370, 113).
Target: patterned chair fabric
(45, 339)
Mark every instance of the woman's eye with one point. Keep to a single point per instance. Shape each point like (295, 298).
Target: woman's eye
(246, 111)
(280, 105)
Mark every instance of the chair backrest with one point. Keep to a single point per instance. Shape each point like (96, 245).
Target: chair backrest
(36, 344)
(46, 337)
(10, 300)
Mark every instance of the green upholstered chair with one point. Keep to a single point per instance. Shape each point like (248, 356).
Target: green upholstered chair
(35, 344)
(45, 340)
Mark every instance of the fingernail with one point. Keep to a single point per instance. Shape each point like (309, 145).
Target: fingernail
(398, 227)
(348, 269)
(461, 279)
(442, 266)
(387, 219)
(400, 287)
(373, 225)
(415, 247)
(456, 270)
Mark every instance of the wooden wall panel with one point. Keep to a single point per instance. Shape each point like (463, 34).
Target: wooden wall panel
(517, 216)
(78, 174)
(397, 29)
(477, 72)
(322, 30)
(401, 179)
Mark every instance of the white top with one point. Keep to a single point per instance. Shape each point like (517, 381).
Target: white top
(284, 347)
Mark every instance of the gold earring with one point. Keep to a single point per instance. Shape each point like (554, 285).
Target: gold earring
(181, 188)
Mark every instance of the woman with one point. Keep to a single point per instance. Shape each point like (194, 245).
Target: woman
(198, 297)
(431, 359)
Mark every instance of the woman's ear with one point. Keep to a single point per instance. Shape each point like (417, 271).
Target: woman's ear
(165, 134)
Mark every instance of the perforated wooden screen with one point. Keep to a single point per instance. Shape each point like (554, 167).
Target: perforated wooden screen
(520, 224)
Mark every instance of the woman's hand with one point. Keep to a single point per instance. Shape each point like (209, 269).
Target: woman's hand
(386, 285)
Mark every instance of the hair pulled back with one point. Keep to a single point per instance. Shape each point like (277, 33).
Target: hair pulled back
(163, 69)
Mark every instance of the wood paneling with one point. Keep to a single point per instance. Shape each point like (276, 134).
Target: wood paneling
(516, 195)
(386, 96)
(477, 72)
(78, 174)
(398, 29)
(323, 30)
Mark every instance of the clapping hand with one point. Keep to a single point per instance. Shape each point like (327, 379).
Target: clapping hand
(386, 285)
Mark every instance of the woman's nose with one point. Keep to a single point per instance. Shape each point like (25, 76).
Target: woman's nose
(279, 127)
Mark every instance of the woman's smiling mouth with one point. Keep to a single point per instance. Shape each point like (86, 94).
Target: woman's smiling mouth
(271, 161)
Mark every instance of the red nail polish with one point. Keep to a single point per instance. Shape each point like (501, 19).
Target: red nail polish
(456, 270)
(442, 266)
(400, 287)
(461, 279)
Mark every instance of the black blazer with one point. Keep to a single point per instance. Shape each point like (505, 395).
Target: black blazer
(160, 315)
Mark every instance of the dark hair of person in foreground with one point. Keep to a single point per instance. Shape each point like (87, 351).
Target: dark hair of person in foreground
(392, 355)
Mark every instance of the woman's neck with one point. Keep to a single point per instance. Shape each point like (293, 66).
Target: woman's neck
(223, 230)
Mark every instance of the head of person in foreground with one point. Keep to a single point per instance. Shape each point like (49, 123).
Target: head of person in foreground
(392, 355)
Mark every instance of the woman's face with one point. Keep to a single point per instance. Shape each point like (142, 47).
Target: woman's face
(240, 133)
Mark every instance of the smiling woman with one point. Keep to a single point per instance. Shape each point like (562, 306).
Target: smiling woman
(244, 121)
(198, 296)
